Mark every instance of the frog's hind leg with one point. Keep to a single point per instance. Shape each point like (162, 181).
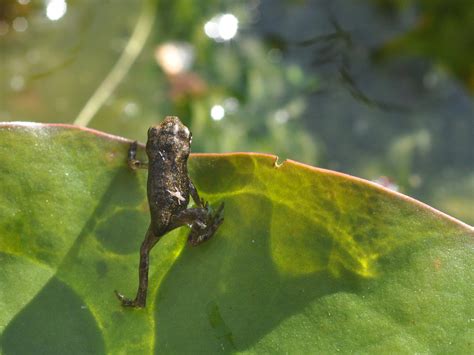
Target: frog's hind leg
(140, 298)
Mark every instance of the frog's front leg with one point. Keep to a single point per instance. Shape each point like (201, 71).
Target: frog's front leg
(202, 220)
(206, 229)
(195, 196)
(132, 161)
(140, 298)
(210, 224)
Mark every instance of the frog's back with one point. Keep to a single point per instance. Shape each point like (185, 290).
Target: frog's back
(168, 190)
(168, 147)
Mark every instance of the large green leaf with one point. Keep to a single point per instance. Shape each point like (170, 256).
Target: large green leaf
(306, 260)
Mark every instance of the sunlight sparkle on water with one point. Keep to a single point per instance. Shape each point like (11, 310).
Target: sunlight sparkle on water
(56, 9)
(231, 105)
(175, 57)
(222, 27)
(17, 83)
(20, 24)
(282, 116)
(217, 112)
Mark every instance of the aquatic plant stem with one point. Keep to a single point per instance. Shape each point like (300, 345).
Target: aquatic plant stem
(127, 58)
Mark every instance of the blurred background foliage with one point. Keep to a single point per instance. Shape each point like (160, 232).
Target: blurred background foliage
(380, 89)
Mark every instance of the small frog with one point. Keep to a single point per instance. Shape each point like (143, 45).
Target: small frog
(169, 188)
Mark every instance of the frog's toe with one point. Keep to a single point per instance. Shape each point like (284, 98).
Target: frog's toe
(126, 302)
(219, 215)
(204, 229)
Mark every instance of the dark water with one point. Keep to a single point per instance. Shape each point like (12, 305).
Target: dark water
(371, 88)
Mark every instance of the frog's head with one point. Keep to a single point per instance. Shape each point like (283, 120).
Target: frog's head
(169, 138)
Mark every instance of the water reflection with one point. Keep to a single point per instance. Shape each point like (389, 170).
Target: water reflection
(131, 109)
(231, 105)
(217, 112)
(175, 57)
(222, 27)
(386, 182)
(55, 9)
(17, 83)
(20, 24)
(282, 116)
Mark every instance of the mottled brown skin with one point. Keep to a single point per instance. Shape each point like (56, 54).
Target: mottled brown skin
(169, 188)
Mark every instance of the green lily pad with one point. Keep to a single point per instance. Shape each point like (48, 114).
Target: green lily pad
(307, 260)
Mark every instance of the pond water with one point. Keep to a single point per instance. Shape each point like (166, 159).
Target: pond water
(378, 89)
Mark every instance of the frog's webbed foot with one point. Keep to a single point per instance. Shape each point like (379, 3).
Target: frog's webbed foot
(204, 229)
(127, 302)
